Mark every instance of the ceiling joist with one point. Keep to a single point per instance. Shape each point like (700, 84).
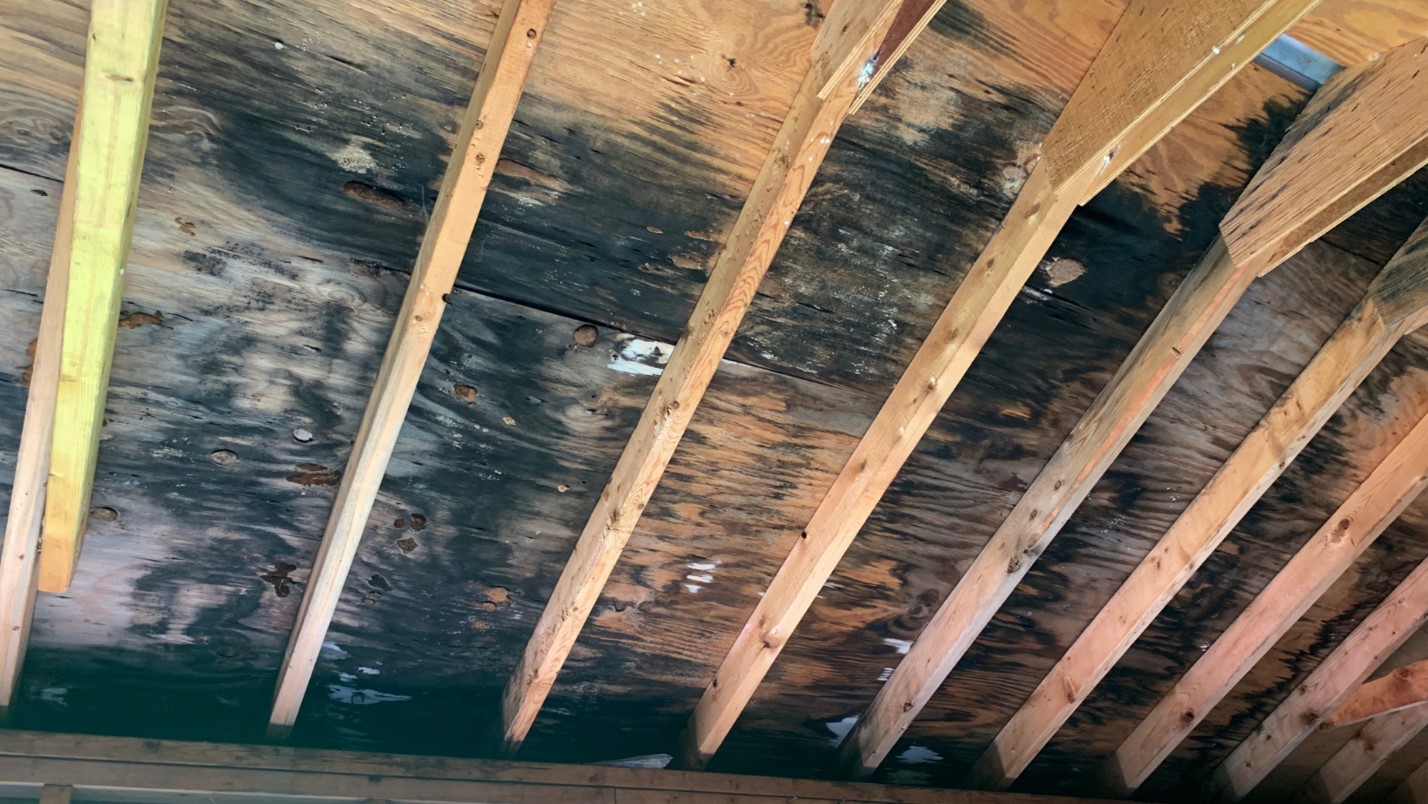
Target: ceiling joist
(1402, 613)
(19, 553)
(1359, 759)
(851, 36)
(1166, 350)
(1404, 687)
(1371, 508)
(1139, 85)
(463, 190)
(120, 64)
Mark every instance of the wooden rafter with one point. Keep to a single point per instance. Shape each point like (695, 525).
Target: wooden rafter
(1167, 349)
(20, 551)
(1404, 687)
(1361, 757)
(1138, 86)
(120, 63)
(463, 190)
(1370, 509)
(849, 38)
(1402, 613)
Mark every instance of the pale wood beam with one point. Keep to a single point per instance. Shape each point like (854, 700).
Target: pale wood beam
(1197, 46)
(912, 17)
(1344, 537)
(56, 794)
(120, 63)
(1141, 81)
(1354, 349)
(1198, 307)
(1404, 687)
(1401, 614)
(850, 38)
(463, 190)
(20, 551)
(1356, 762)
(169, 770)
(1254, 241)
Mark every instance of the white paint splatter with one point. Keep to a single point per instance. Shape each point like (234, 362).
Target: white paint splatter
(331, 650)
(652, 761)
(346, 678)
(54, 695)
(639, 356)
(885, 674)
(705, 578)
(356, 697)
(917, 755)
(354, 157)
(902, 645)
(840, 729)
(703, 566)
(369, 671)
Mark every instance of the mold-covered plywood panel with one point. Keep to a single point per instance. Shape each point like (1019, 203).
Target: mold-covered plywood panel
(1102, 283)
(294, 151)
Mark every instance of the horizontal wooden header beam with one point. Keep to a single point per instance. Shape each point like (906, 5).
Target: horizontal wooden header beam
(170, 770)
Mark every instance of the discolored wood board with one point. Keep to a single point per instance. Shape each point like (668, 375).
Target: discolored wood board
(293, 154)
(295, 151)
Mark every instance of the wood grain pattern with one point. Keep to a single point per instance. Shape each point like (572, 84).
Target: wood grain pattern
(169, 768)
(1204, 301)
(1353, 106)
(850, 35)
(1060, 181)
(472, 165)
(1358, 522)
(1160, 62)
(1355, 31)
(19, 553)
(121, 63)
(1327, 689)
(1375, 743)
(1403, 687)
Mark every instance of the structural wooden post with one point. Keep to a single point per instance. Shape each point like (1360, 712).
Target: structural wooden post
(1370, 509)
(20, 551)
(1402, 613)
(463, 190)
(1361, 757)
(1404, 687)
(1141, 84)
(852, 36)
(1163, 353)
(120, 63)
